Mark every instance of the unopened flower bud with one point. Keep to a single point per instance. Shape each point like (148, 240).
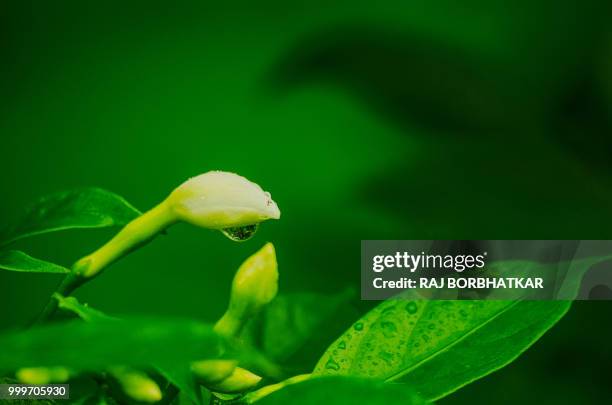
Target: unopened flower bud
(254, 286)
(240, 380)
(42, 375)
(136, 384)
(215, 200)
(221, 200)
(213, 371)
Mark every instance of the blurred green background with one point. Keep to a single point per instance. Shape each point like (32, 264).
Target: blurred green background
(398, 120)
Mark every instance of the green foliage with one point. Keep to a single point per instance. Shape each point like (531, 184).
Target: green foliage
(81, 208)
(455, 341)
(83, 311)
(400, 341)
(409, 340)
(311, 320)
(343, 391)
(97, 345)
(15, 260)
(178, 373)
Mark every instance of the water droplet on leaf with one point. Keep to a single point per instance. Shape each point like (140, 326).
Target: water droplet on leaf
(332, 365)
(389, 329)
(386, 356)
(240, 233)
(342, 345)
(358, 326)
(411, 307)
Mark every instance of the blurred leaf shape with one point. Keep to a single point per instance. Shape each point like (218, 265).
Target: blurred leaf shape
(15, 260)
(178, 373)
(97, 345)
(343, 391)
(80, 208)
(411, 79)
(294, 329)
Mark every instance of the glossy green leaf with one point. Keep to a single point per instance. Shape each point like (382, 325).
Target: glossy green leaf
(15, 260)
(81, 208)
(177, 373)
(311, 320)
(343, 391)
(440, 346)
(96, 345)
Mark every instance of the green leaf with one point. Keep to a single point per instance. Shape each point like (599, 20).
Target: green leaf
(178, 374)
(15, 260)
(83, 311)
(440, 346)
(97, 345)
(343, 391)
(81, 208)
(295, 328)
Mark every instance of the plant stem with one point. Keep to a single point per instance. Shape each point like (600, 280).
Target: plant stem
(268, 389)
(228, 325)
(134, 235)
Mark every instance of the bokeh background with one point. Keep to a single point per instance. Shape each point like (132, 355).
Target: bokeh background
(390, 120)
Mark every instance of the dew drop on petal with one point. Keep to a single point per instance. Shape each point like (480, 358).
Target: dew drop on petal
(240, 233)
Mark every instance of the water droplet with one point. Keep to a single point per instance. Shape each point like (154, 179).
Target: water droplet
(463, 313)
(388, 310)
(332, 365)
(386, 357)
(240, 233)
(431, 326)
(411, 307)
(342, 345)
(358, 326)
(389, 329)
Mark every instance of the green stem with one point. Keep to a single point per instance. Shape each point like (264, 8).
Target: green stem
(134, 235)
(229, 326)
(71, 282)
(268, 389)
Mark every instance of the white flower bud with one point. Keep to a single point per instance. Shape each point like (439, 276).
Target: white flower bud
(222, 200)
(216, 200)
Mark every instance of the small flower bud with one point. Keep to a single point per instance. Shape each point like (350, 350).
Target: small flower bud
(221, 200)
(240, 380)
(136, 384)
(254, 286)
(42, 375)
(213, 371)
